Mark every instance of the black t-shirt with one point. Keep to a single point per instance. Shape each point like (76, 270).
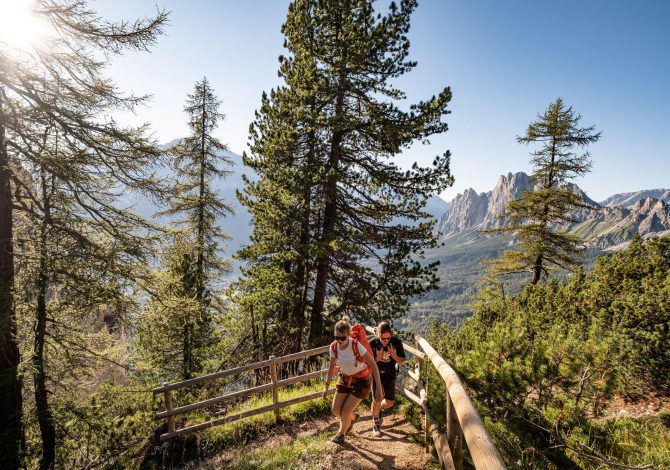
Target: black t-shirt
(387, 364)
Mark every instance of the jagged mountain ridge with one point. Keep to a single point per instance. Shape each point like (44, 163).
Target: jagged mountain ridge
(628, 199)
(609, 224)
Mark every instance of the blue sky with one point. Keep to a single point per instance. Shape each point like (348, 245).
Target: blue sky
(505, 62)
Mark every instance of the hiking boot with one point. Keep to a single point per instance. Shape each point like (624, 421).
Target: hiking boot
(351, 425)
(337, 438)
(381, 417)
(376, 431)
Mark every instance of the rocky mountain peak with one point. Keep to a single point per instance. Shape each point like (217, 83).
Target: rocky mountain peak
(602, 226)
(466, 210)
(508, 188)
(628, 199)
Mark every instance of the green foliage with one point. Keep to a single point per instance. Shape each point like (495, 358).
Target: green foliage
(176, 334)
(536, 217)
(64, 167)
(541, 365)
(330, 208)
(109, 428)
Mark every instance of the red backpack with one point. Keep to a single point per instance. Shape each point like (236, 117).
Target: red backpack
(357, 336)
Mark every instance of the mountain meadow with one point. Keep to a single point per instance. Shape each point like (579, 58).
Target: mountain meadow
(132, 270)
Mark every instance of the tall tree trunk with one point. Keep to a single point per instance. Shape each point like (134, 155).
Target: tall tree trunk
(186, 353)
(537, 270)
(10, 384)
(44, 416)
(317, 335)
(302, 270)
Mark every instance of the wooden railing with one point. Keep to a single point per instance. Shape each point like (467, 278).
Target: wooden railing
(463, 424)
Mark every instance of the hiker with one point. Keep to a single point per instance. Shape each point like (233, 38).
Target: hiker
(388, 352)
(357, 368)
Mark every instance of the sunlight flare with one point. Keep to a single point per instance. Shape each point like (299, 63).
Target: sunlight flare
(20, 27)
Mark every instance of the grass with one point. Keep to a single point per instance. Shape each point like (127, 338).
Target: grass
(205, 444)
(237, 431)
(302, 453)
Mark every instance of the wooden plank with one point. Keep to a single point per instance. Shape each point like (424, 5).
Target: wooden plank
(423, 393)
(484, 454)
(168, 407)
(412, 374)
(454, 435)
(273, 379)
(241, 393)
(239, 370)
(303, 354)
(441, 444)
(245, 414)
(409, 394)
(421, 356)
(211, 377)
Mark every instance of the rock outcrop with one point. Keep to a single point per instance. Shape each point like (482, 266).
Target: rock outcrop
(628, 199)
(602, 225)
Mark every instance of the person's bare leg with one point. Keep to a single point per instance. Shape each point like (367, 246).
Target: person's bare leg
(375, 406)
(338, 401)
(347, 414)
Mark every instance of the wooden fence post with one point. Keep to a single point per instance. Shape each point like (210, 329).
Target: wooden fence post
(454, 434)
(273, 379)
(168, 407)
(424, 376)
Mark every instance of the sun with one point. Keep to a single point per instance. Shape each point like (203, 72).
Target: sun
(20, 27)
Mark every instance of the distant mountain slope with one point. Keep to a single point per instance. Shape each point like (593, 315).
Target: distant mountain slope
(605, 226)
(463, 247)
(628, 199)
(436, 206)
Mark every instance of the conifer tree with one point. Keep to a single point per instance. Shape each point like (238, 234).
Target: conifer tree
(70, 266)
(61, 81)
(537, 218)
(357, 257)
(191, 278)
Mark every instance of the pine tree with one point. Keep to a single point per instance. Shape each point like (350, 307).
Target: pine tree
(345, 127)
(537, 217)
(188, 287)
(61, 82)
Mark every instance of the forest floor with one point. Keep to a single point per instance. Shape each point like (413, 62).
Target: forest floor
(620, 408)
(397, 448)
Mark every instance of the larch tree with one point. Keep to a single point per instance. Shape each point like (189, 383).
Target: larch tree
(194, 264)
(60, 82)
(365, 228)
(539, 217)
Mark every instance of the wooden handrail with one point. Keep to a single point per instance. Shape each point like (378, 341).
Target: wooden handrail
(484, 454)
(239, 370)
(463, 422)
(242, 393)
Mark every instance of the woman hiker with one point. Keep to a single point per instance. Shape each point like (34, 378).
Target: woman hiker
(388, 352)
(356, 372)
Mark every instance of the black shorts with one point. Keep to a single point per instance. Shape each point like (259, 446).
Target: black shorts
(388, 386)
(360, 388)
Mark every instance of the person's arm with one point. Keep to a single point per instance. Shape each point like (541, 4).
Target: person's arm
(379, 394)
(331, 373)
(397, 355)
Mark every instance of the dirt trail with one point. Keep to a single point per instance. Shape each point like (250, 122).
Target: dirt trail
(395, 449)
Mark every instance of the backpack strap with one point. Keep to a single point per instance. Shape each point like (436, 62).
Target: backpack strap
(357, 353)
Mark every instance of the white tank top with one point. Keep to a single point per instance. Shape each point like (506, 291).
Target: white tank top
(346, 361)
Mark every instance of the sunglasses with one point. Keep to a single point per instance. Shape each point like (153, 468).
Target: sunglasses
(341, 338)
(385, 338)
